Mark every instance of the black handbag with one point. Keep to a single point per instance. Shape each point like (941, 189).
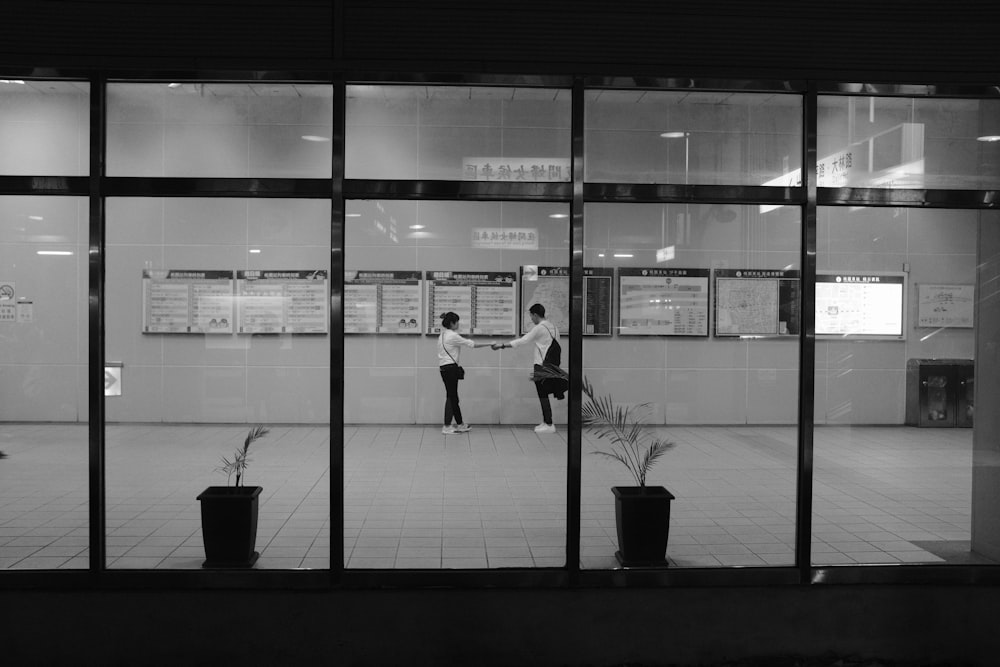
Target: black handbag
(460, 373)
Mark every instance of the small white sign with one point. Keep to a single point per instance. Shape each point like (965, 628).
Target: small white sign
(25, 312)
(113, 379)
(508, 238)
(7, 291)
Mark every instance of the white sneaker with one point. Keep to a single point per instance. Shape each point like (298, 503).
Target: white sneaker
(448, 430)
(545, 428)
(462, 428)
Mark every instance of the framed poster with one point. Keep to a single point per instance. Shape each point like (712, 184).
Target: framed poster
(485, 301)
(383, 302)
(945, 305)
(757, 302)
(187, 301)
(861, 305)
(549, 286)
(663, 302)
(275, 302)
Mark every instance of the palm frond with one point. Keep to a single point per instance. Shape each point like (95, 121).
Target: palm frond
(241, 457)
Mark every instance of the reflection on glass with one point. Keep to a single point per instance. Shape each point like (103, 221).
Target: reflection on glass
(43, 365)
(420, 492)
(44, 127)
(636, 136)
(899, 142)
(222, 130)
(893, 463)
(458, 133)
(706, 337)
(217, 313)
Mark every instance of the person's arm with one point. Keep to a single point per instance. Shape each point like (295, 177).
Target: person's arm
(523, 340)
(468, 342)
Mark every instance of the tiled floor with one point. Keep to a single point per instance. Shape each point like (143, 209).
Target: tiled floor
(494, 497)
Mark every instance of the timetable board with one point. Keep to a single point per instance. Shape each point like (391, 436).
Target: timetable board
(663, 302)
(383, 302)
(549, 286)
(277, 302)
(485, 301)
(757, 302)
(861, 305)
(186, 301)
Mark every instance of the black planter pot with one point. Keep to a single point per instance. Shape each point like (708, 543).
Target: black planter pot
(642, 516)
(229, 525)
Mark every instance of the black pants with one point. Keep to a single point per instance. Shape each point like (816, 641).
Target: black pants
(449, 375)
(543, 399)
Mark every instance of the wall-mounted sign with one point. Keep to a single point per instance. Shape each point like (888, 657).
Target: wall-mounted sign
(523, 169)
(384, 302)
(866, 305)
(945, 305)
(663, 302)
(549, 286)
(271, 301)
(757, 302)
(187, 301)
(485, 301)
(508, 238)
(113, 378)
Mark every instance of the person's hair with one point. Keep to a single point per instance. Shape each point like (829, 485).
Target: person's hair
(448, 319)
(537, 309)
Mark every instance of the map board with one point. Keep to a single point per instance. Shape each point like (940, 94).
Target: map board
(383, 302)
(663, 302)
(757, 302)
(549, 286)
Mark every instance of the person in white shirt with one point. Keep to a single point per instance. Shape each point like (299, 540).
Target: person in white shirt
(450, 346)
(540, 337)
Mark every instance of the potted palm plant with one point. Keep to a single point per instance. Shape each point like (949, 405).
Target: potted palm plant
(642, 512)
(229, 513)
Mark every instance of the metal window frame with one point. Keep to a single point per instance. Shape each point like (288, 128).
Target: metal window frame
(97, 186)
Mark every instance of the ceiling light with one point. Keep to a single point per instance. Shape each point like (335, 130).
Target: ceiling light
(35, 217)
(673, 135)
(622, 254)
(174, 85)
(55, 252)
(254, 251)
(559, 215)
(416, 226)
(17, 81)
(353, 215)
(989, 138)
(315, 137)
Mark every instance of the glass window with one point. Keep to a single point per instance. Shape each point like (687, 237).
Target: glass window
(898, 304)
(217, 310)
(699, 137)
(421, 491)
(44, 127)
(43, 365)
(692, 328)
(264, 130)
(458, 133)
(900, 142)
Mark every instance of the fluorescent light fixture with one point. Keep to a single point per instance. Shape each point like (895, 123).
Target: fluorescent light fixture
(315, 137)
(416, 226)
(17, 81)
(55, 252)
(559, 215)
(35, 217)
(673, 135)
(622, 254)
(254, 251)
(353, 215)
(174, 85)
(600, 254)
(989, 138)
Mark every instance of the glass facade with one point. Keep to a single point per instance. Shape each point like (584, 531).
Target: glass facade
(808, 365)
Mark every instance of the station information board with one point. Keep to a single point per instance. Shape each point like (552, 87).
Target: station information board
(861, 305)
(757, 302)
(663, 302)
(383, 302)
(276, 302)
(187, 301)
(549, 286)
(485, 301)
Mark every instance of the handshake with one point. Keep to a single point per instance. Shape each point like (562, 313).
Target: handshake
(498, 346)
